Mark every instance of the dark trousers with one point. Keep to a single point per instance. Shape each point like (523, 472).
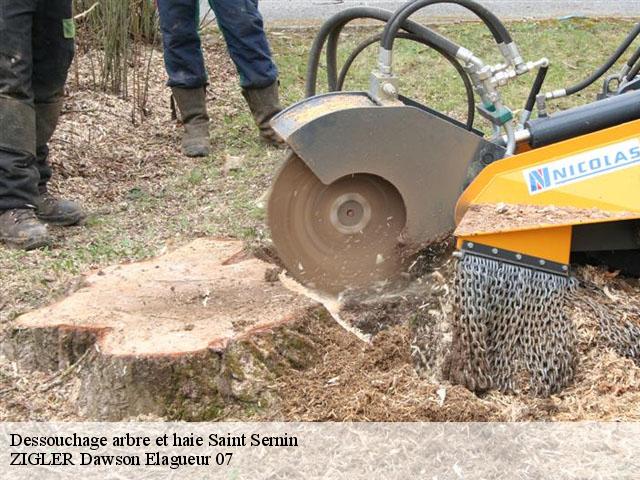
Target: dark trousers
(243, 30)
(36, 50)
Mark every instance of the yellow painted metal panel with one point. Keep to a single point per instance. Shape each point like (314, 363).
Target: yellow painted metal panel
(616, 190)
(597, 176)
(552, 244)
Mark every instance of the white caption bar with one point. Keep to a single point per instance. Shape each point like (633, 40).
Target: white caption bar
(237, 451)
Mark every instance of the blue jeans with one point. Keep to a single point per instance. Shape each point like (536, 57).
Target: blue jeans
(243, 30)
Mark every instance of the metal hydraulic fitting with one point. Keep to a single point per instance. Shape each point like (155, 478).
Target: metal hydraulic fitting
(485, 73)
(541, 104)
(471, 62)
(555, 94)
(542, 63)
(501, 67)
(500, 79)
(385, 61)
(480, 75)
(485, 78)
(383, 87)
(511, 53)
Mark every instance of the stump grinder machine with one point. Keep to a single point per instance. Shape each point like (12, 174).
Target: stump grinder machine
(373, 177)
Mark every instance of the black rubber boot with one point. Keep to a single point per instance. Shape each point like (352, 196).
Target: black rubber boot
(192, 104)
(264, 104)
(19, 228)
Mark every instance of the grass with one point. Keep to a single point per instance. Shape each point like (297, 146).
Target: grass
(182, 198)
(575, 48)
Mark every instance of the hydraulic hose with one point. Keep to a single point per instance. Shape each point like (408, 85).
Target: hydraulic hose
(607, 65)
(536, 88)
(633, 65)
(471, 109)
(633, 72)
(431, 38)
(339, 20)
(633, 60)
(494, 24)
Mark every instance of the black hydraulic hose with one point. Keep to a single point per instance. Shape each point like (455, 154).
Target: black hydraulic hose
(536, 88)
(608, 64)
(431, 37)
(634, 65)
(471, 108)
(345, 16)
(634, 58)
(494, 24)
(633, 72)
(332, 58)
(358, 50)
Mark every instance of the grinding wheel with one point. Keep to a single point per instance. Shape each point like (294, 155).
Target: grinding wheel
(338, 236)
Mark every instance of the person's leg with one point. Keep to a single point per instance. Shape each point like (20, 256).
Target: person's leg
(243, 29)
(182, 51)
(53, 49)
(185, 67)
(242, 26)
(18, 173)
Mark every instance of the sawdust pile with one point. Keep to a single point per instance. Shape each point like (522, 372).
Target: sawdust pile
(36, 396)
(378, 381)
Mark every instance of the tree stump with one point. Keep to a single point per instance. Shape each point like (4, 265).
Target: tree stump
(180, 336)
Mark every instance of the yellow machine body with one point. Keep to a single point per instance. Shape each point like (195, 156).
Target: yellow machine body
(530, 203)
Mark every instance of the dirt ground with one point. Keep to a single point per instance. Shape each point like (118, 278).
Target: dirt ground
(388, 381)
(145, 198)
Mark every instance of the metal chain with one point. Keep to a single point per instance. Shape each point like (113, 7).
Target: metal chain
(511, 321)
(620, 334)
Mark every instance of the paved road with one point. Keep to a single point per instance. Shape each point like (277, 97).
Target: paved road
(288, 11)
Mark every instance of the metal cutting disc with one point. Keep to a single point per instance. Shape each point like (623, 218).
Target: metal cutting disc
(337, 236)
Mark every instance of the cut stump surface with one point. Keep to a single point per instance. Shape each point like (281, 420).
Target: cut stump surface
(179, 335)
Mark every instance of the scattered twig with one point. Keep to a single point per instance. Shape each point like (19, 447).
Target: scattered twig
(207, 19)
(609, 295)
(8, 390)
(79, 110)
(58, 378)
(80, 16)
